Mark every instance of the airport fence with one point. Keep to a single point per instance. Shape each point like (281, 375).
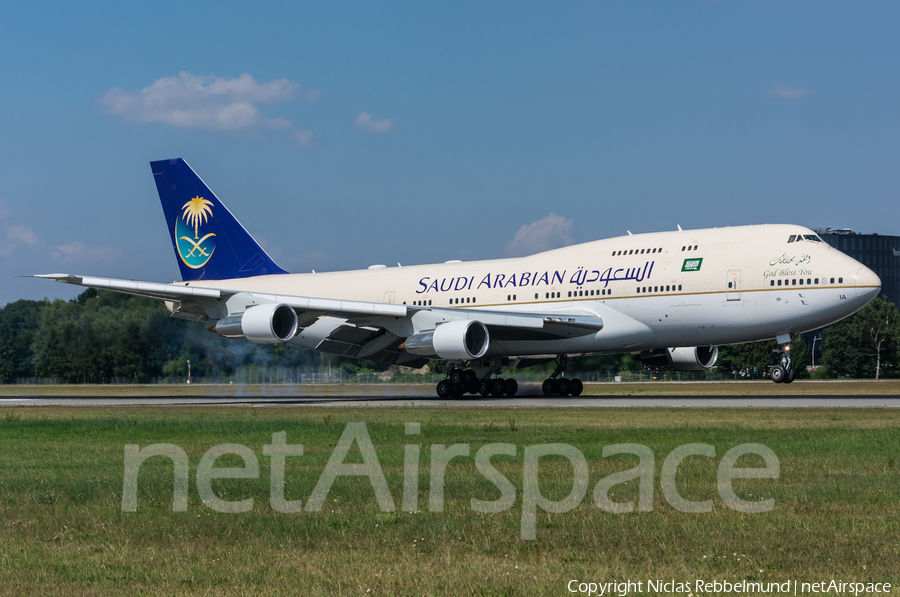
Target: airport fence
(289, 375)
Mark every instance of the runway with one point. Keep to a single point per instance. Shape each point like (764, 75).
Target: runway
(848, 401)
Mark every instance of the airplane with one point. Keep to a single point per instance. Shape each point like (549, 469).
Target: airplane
(670, 298)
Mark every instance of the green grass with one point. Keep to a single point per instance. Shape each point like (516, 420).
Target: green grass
(62, 530)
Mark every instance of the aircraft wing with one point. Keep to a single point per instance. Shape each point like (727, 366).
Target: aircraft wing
(370, 320)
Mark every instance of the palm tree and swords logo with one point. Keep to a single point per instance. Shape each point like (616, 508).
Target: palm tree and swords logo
(194, 252)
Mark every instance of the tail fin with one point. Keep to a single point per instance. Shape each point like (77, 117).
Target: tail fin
(209, 242)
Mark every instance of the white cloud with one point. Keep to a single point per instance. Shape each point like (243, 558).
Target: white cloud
(212, 103)
(547, 233)
(367, 123)
(785, 92)
(304, 138)
(24, 234)
(82, 253)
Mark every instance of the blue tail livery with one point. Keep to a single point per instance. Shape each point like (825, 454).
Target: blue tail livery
(209, 242)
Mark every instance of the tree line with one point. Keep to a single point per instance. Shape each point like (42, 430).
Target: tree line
(101, 335)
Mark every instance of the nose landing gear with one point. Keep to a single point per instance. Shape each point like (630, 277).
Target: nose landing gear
(783, 372)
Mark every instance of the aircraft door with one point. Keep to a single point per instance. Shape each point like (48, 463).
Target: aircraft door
(389, 297)
(733, 285)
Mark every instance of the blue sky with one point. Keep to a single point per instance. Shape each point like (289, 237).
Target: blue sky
(348, 134)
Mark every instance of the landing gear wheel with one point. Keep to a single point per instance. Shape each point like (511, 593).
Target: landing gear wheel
(778, 374)
(789, 375)
(458, 391)
(563, 386)
(498, 386)
(510, 386)
(577, 387)
(444, 388)
(456, 376)
(549, 387)
(484, 387)
(469, 378)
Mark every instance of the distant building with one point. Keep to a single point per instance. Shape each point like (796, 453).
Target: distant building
(880, 253)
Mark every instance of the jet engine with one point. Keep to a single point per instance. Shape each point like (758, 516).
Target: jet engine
(687, 358)
(263, 324)
(454, 341)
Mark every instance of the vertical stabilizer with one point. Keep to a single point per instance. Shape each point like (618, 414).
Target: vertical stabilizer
(209, 242)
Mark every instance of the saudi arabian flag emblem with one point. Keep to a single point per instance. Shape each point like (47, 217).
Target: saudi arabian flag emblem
(692, 265)
(194, 249)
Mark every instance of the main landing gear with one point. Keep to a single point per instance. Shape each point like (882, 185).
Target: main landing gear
(561, 386)
(461, 381)
(783, 372)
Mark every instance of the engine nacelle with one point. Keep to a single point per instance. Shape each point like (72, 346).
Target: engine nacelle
(454, 341)
(263, 324)
(685, 358)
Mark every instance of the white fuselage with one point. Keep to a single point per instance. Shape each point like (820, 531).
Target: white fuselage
(658, 290)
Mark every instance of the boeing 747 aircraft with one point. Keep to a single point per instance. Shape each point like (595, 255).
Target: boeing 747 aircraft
(669, 297)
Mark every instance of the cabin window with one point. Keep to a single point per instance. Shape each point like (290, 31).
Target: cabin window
(679, 287)
(772, 282)
(793, 282)
(817, 280)
(689, 248)
(683, 248)
(535, 295)
(473, 299)
(779, 282)
(614, 254)
(570, 293)
(638, 290)
(840, 280)
(792, 238)
(801, 281)
(729, 285)
(832, 280)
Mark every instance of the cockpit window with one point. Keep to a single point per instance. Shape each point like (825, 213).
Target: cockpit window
(798, 237)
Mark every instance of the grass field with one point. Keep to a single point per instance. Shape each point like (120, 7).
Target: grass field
(655, 388)
(63, 531)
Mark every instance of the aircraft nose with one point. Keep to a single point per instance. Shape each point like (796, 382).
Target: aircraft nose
(868, 285)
